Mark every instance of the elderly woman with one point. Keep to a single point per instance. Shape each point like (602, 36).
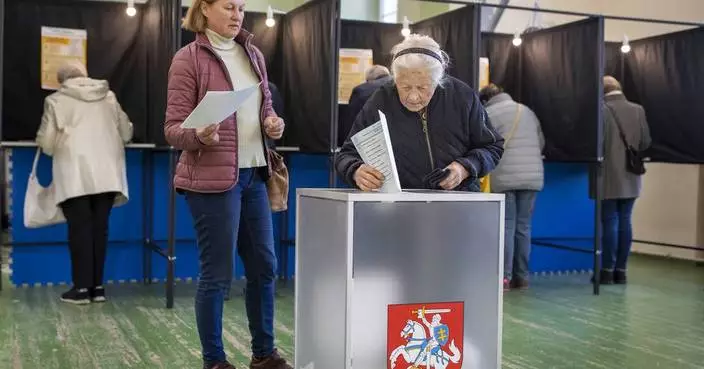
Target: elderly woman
(223, 171)
(85, 130)
(625, 124)
(439, 130)
(519, 176)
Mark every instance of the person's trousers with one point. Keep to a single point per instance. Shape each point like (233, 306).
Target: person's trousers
(87, 219)
(519, 207)
(617, 233)
(219, 218)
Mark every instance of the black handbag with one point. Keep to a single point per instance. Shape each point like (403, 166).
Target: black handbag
(634, 157)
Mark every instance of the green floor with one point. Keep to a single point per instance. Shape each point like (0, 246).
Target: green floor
(657, 321)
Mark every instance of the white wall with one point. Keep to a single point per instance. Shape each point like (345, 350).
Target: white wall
(360, 9)
(682, 10)
(261, 5)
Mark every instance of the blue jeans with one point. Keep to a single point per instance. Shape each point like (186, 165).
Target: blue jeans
(618, 233)
(219, 218)
(517, 238)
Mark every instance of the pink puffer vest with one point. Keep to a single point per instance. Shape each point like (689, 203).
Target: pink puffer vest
(196, 69)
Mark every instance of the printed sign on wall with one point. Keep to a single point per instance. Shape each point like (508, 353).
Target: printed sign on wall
(60, 45)
(425, 335)
(483, 72)
(353, 66)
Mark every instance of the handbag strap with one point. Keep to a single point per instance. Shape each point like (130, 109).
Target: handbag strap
(36, 161)
(515, 125)
(618, 125)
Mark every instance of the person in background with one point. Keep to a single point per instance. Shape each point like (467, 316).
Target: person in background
(519, 176)
(621, 187)
(441, 136)
(85, 130)
(375, 76)
(223, 171)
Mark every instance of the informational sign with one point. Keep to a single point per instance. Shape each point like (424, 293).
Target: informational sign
(60, 45)
(353, 65)
(425, 335)
(483, 72)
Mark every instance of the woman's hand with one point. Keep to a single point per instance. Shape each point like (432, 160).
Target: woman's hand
(208, 135)
(457, 175)
(274, 127)
(368, 178)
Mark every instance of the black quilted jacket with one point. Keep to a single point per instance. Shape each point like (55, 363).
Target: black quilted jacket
(458, 129)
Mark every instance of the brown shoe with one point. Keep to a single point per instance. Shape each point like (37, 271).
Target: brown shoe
(273, 361)
(224, 365)
(519, 283)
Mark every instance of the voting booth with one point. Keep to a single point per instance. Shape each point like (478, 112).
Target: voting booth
(397, 280)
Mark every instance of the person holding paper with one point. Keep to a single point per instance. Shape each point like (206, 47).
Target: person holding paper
(439, 131)
(223, 171)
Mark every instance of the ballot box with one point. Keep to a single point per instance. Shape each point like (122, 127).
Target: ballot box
(398, 280)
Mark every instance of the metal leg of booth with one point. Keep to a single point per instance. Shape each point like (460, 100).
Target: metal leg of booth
(147, 205)
(3, 205)
(597, 227)
(171, 259)
(283, 246)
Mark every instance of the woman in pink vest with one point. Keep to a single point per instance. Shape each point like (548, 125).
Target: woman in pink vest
(223, 171)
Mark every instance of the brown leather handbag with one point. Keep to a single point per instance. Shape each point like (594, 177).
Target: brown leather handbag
(277, 185)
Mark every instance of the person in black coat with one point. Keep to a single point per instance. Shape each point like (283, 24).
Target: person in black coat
(276, 101)
(376, 76)
(440, 132)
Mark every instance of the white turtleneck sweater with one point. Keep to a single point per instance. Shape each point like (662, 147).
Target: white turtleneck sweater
(250, 145)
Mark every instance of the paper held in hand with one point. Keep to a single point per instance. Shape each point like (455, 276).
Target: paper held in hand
(216, 106)
(374, 147)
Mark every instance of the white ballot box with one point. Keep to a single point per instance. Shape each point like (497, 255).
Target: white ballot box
(398, 280)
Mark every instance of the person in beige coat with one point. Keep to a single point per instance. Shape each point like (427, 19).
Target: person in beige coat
(85, 130)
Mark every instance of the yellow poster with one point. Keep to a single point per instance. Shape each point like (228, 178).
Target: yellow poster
(60, 45)
(353, 65)
(483, 72)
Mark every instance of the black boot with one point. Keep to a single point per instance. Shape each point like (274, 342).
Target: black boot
(619, 276)
(607, 277)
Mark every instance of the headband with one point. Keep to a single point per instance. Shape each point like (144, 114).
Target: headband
(419, 50)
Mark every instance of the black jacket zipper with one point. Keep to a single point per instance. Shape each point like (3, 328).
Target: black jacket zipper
(424, 122)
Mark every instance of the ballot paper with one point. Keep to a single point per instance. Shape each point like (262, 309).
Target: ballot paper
(374, 147)
(216, 106)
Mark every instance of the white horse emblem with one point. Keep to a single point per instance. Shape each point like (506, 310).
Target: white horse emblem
(423, 352)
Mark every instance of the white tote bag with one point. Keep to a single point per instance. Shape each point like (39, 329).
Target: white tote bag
(40, 209)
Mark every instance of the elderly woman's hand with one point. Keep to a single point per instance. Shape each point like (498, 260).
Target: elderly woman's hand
(208, 135)
(274, 127)
(367, 178)
(457, 175)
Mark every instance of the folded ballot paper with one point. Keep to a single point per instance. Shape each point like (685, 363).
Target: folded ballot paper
(374, 147)
(218, 105)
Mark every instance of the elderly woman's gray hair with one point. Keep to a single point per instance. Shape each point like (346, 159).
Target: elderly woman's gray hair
(72, 69)
(376, 72)
(427, 55)
(611, 84)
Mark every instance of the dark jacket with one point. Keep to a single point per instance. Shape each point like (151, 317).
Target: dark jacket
(360, 95)
(619, 183)
(276, 101)
(458, 130)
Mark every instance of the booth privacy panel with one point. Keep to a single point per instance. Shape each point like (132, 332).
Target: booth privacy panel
(503, 62)
(309, 87)
(665, 74)
(562, 72)
(378, 37)
(115, 51)
(612, 60)
(455, 31)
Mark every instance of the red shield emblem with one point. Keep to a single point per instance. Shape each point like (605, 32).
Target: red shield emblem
(425, 335)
